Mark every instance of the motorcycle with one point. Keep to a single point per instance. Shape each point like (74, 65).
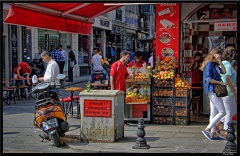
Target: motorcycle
(38, 69)
(99, 77)
(49, 114)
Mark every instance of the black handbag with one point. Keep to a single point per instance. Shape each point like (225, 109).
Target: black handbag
(220, 90)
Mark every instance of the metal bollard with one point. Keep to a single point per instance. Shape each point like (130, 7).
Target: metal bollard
(231, 146)
(141, 141)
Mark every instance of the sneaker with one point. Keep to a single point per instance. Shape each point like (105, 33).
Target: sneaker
(207, 134)
(218, 138)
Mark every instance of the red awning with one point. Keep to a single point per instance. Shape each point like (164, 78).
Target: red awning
(69, 17)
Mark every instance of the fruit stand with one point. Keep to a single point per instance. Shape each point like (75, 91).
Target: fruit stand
(158, 95)
(138, 94)
(170, 101)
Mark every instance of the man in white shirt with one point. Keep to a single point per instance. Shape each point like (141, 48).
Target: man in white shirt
(52, 70)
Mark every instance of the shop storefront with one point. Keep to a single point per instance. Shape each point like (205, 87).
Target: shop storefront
(130, 36)
(101, 28)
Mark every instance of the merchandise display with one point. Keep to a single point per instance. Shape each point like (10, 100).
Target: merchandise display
(158, 95)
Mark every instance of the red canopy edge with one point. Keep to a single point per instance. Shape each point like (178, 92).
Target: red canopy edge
(26, 17)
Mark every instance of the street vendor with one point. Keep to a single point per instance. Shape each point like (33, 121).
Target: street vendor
(138, 62)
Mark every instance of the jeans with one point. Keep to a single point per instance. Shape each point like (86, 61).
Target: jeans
(217, 111)
(230, 108)
(104, 72)
(18, 83)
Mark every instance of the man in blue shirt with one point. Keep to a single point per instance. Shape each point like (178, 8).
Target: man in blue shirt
(56, 55)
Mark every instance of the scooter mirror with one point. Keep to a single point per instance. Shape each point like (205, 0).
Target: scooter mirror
(61, 76)
(34, 79)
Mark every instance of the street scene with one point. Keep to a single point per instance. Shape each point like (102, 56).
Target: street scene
(119, 77)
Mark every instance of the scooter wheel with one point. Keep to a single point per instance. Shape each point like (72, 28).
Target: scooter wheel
(56, 139)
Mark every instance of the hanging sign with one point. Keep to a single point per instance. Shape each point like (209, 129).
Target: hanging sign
(167, 30)
(225, 26)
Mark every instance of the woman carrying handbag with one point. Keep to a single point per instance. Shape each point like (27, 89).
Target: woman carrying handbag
(211, 70)
(230, 78)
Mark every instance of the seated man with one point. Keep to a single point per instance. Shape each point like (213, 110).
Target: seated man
(97, 62)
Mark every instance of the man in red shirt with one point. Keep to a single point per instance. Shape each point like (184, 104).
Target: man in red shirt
(22, 69)
(118, 72)
(19, 72)
(138, 62)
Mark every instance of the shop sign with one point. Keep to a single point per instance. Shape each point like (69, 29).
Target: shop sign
(104, 23)
(219, 13)
(131, 20)
(225, 26)
(167, 30)
(97, 108)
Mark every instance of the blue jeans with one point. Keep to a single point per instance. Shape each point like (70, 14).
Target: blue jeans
(104, 72)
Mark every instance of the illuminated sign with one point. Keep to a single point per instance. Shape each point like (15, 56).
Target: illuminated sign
(97, 108)
(225, 26)
(218, 13)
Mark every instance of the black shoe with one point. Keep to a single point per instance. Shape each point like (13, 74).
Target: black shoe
(69, 80)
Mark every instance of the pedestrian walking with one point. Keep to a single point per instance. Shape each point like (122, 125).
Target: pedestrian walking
(71, 63)
(230, 78)
(211, 76)
(150, 60)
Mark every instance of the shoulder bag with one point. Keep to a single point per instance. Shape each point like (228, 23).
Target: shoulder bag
(220, 90)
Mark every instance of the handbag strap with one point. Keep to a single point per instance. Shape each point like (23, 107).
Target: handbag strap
(216, 67)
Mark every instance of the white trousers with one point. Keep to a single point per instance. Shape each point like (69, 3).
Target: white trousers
(230, 108)
(217, 111)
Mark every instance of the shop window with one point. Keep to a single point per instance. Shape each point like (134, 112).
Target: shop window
(119, 14)
(47, 38)
(27, 45)
(131, 8)
(96, 38)
(83, 50)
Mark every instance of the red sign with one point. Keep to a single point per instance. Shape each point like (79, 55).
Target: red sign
(167, 30)
(225, 26)
(218, 13)
(97, 108)
(23, 16)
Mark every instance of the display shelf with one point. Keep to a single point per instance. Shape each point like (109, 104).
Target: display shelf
(182, 120)
(162, 101)
(137, 103)
(163, 120)
(138, 99)
(169, 103)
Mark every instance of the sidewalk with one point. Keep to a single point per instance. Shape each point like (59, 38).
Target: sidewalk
(77, 80)
(161, 138)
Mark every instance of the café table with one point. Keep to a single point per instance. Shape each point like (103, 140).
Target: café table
(72, 90)
(20, 86)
